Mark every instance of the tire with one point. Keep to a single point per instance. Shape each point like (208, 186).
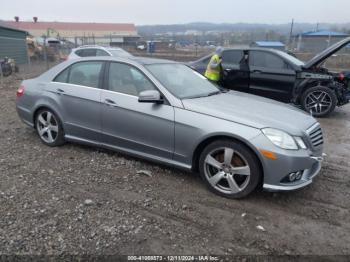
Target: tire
(6, 70)
(320, 101)
(233, 179)
(49, 128)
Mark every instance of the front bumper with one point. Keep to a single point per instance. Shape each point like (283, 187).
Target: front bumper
(309, 162)
(306, 179)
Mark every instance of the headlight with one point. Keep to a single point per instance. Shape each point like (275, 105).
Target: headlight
(300, 142)
(280, 138)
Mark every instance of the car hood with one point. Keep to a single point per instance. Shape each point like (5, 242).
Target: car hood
(318, 59)
(252, 111)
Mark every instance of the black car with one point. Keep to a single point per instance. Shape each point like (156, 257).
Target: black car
(280, 76)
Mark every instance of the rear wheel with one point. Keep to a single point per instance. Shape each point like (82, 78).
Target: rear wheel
(49, 128)
(229, 169)
(320, 101)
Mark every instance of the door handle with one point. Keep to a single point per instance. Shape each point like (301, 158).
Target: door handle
(257, 71)
(109, 102)
(60, 91)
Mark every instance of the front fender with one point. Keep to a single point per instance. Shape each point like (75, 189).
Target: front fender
(192, 129)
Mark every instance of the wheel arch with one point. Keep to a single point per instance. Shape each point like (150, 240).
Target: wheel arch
(43, 105)
(307, 84)
(206, 141)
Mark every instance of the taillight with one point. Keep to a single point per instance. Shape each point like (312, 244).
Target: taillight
(341, 77)
(20, 91)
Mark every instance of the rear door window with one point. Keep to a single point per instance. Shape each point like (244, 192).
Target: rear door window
(232, 57)
(63, 76)
(85, 74)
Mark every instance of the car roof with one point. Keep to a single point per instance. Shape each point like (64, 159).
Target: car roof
(150, 61)
(269, 50)
(139, 60)
(98, 47)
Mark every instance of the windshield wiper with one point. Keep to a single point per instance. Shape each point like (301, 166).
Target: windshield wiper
(204, 95)
(214, 93)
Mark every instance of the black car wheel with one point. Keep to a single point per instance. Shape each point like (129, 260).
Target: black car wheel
(229, 169)
(320, 101)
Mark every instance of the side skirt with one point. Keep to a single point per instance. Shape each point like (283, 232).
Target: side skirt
(160, 160)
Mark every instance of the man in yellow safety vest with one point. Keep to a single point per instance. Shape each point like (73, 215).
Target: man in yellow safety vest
(214, 68)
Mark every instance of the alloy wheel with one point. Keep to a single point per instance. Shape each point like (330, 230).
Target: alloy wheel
(47, 126)
(227, 170)
(318, 102)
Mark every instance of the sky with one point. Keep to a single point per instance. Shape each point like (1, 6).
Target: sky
(148, 12)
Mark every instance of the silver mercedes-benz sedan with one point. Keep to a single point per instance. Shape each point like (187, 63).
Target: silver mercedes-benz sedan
(166, 112)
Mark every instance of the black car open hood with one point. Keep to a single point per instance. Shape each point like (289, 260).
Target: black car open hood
(321, 57)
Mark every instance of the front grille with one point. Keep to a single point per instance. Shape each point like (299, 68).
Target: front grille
(316, 135)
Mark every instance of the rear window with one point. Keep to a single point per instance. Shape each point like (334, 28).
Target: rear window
(82, 73)
(86, 52)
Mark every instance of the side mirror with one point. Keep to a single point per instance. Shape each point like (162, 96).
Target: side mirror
(150, 96)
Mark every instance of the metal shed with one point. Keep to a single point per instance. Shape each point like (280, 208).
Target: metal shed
(13, 44)
(269, 44)
(316, 41)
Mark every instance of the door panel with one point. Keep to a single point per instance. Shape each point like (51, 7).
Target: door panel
(78, 94)
(236, 76)
(270, 76)
(143, 127)
(126, 123)
(81, 109)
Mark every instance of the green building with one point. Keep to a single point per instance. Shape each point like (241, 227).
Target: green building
(13, 44)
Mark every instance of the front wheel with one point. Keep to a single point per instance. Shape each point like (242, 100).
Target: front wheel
(320, 101)
(229, 169)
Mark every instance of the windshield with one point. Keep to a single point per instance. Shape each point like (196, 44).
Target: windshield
(119, 53)
(182, 81)
(292, 59)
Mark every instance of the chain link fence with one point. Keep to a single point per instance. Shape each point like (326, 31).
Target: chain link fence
(42, 58)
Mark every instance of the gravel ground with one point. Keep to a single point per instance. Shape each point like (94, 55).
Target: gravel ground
(82, 200)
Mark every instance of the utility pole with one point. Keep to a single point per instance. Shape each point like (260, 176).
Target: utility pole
(291, 32)
(45, 52)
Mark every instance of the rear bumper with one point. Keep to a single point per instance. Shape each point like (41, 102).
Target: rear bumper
(25, 115)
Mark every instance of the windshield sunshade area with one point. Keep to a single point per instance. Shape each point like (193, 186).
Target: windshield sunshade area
(182, 81)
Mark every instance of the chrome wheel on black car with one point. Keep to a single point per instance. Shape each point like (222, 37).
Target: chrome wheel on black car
(320, 101)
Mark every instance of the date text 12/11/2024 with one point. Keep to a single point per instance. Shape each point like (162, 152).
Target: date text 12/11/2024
(173, 258)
